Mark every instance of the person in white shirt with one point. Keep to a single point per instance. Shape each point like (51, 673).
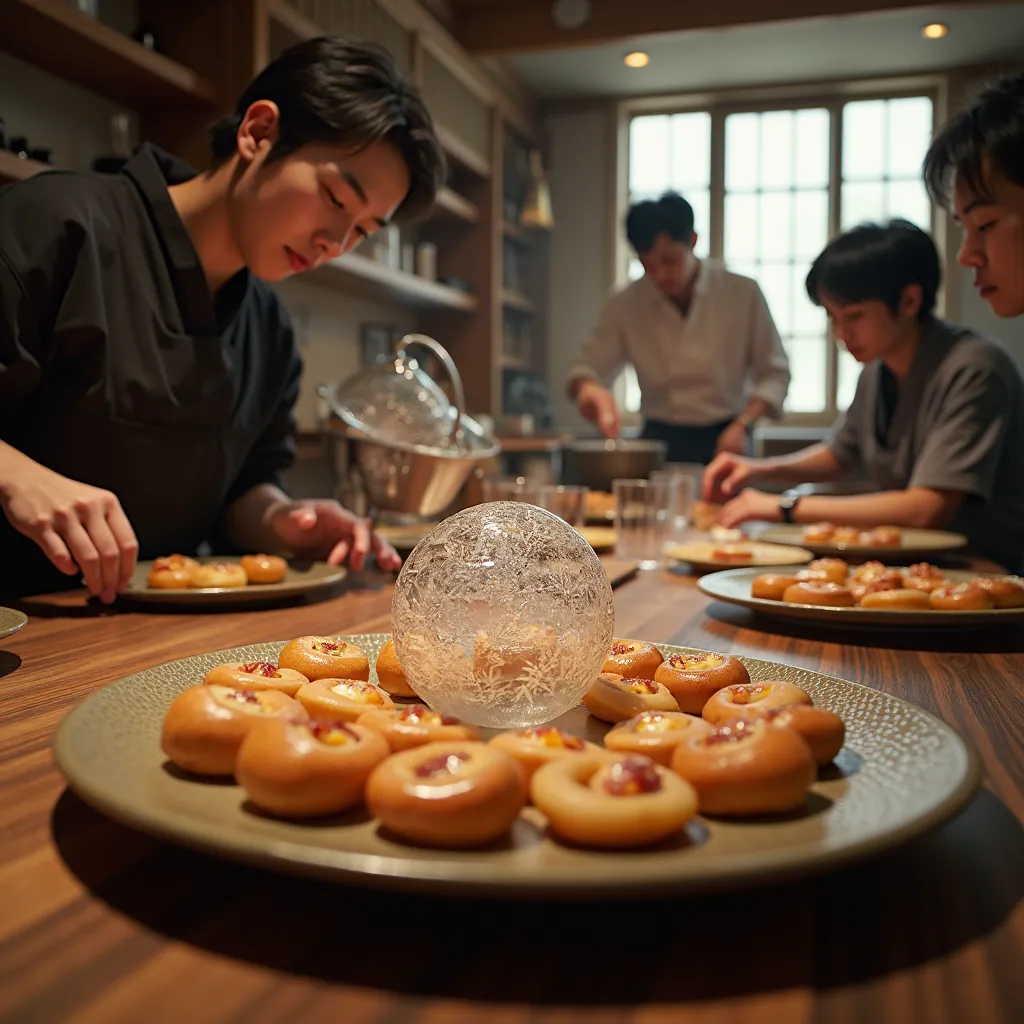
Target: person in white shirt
(707, 356)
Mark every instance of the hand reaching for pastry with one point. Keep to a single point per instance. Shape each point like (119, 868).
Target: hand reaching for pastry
(322, 529)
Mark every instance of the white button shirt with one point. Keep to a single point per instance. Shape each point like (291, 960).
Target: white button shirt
(697, 369)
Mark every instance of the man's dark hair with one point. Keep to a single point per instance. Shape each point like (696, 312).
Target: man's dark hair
(670, 215)
(986, 136)
(332, 90)
(877, 261)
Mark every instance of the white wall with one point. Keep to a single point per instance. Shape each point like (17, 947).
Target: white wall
(581, 243)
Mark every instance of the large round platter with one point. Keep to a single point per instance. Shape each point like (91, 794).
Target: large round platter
(301, 580)
(700, 555)
(901, 772)
(914, 545)
(733, 586)
(11, 620)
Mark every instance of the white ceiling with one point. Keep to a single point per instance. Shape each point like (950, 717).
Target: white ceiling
(871, 44)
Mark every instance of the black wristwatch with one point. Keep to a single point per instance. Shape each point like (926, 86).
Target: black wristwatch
(787, 505)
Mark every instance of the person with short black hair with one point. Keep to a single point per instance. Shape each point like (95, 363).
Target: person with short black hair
(147, 373)
(707, 356)
(975, 166)
(937, 421)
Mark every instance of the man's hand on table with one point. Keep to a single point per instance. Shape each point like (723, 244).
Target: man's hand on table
(78, 527)
(597, 404)
(322, 529)
(750, 505)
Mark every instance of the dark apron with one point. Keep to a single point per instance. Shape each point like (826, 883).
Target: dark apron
(686, 444)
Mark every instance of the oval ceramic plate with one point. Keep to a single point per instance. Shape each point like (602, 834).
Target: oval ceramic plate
(701, 555)
(302, 578)
(404, 538)
(914, 544)
(733, 586)
(901, 772)
(600, 538)
(11, 620)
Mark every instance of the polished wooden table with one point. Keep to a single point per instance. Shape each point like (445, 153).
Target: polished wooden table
(101, 924)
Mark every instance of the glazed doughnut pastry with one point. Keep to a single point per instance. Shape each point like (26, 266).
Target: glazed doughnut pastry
(205, 725)
(389, 672)
(264, 568)
(884, 537)
(861, 590)
(414, 725)
(897, 600)
(819, 533)
(771, 586)
(217, 575)
(172, 572)
(614, 699)
(324, 657)
(924, 576)
(693, 678)
(628, 801)
(832, 595)
(655, 734)
(633, 659)
(1005, 591)
(342, 700)
(532, 748)
(833, 570)
(448, 794)
(303, 769)
(256, 675)
(822, 730)
(747, 767)
(846, 535)
(962, 597)
(734, 701)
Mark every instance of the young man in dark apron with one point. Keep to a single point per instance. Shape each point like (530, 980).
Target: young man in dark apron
(147, 373)
(937, 421)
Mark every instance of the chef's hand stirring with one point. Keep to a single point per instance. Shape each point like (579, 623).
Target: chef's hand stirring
(597, 404)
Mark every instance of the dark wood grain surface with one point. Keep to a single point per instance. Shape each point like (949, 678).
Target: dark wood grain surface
(102, 924)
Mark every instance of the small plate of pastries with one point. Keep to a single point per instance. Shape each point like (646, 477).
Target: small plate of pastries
(873, 594)
(884, 543)
(600, 538)
(681, 770)
(178, 579)
(710, 556)
(600, 507)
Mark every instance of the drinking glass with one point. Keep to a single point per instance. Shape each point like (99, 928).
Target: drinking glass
(688, 479)
(568, 502)
(642, 515)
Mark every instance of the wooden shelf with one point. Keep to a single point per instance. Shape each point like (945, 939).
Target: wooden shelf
(13, 168)
(462, 152)
(53, 35)
(293, 20)
(370, 276)
(513, 300)
(452, 205)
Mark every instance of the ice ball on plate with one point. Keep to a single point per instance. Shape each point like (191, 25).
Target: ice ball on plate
(503, 616)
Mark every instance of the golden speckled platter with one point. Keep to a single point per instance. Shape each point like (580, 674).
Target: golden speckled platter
(301, 579)
(11, 620)
(700, 555)
(914, 545)
(733, 586)
(901, 772)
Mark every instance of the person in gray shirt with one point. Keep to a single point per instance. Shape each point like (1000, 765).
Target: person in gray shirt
(937, 421)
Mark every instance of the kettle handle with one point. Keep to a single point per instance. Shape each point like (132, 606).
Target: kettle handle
(450, 368)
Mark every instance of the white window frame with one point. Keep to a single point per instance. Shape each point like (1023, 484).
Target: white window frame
(719, 104)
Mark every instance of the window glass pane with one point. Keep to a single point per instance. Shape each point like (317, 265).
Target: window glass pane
(849, 370)
(807, 365)
(775, 225)
(648, 155)
(743, 267)
(777, 149)
(635, 270)
(807, 317)
(862, 202)
(691, 151)
(740, 227)
(810, 224)
(741, 152)
(908, 199)
(864, 139)
(774, 281)
(812, 146)
(700, 200)
(909, 130)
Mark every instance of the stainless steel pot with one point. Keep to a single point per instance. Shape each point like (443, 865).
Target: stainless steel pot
(596, 462)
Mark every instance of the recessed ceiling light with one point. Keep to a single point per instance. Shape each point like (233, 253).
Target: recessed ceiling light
(637, 59)
(934, 30)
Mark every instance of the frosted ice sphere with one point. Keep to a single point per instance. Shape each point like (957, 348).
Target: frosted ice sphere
(502, 616)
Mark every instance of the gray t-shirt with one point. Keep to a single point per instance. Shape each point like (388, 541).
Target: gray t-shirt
(958, 425)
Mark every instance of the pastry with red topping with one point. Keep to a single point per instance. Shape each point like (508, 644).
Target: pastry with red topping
(822, 730)
(655, 734)
(732, 701)
(693, 678)
(217, 576)
(390, 674)
(264, 568)
(172, 572)
(325, 657)
(633, 659)
(342, 700)
(532, 748)
(613, 698)
(256, 675)
(414, 725)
